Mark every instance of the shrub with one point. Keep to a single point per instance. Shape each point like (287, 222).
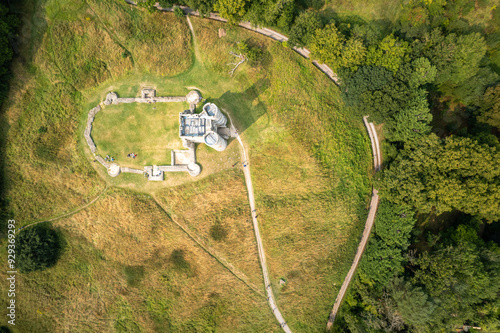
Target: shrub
(177, 258)
(253, 53)
(165, 3)
(178, 12)
(218, 231)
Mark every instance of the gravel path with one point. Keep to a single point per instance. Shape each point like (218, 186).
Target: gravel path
(377, 161)
(260, 246)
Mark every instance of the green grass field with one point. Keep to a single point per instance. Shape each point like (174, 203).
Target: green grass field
(126, 265)
(150, 131)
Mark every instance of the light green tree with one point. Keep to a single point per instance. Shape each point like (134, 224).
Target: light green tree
(390, 53)
(423, 72)
(456, 57)
(327, 45)
(353, 53)
(232, 10)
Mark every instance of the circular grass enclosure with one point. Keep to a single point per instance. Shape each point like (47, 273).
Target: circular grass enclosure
(310, 161)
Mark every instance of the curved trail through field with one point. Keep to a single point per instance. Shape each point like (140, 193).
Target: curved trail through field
(69, 213)
(260, 246)
(377, 161)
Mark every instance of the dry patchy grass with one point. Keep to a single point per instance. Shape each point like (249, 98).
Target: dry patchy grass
(127, 267)
(219, 203)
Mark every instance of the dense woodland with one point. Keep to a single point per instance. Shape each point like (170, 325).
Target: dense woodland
(432, 81)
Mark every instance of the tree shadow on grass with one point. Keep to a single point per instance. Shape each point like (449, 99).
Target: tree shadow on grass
(245, 107)
(39, 247)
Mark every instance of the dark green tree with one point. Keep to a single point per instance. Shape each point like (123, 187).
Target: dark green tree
(413, 303)
(381, 262)
(412, 121)
(368, 33)
(304, 29)
(394, 223)
(365, 80)
(462, 275)
(38, 248)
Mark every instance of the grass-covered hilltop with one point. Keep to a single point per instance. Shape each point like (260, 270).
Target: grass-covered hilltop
(96, 253)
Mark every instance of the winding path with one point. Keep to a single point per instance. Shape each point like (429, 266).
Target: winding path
(260, 247)
(377, 161)
(69, 213)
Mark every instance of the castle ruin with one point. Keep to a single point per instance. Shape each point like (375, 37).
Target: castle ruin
(209, 127)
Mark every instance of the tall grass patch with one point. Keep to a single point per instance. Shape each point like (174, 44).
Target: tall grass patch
(159, 43)
(47, 173)
(77, 49)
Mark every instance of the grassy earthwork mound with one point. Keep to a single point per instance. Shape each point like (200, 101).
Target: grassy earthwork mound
(126, 264)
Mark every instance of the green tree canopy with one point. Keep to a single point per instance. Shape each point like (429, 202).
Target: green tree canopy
(327, 44)
(462, 275)
(423, 72)
(456, 57)
(271, 13)
(203, 6)
(394, 224)
(411, 122)
(304, 28)
(353, 53)
(489, 111)
(232, 10)
(381, 262)
(413, 303)
(38, 248)
(390, 53)
(453, 173)
(415, 20)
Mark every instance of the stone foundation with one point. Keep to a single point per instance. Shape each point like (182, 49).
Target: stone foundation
(187, 163)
